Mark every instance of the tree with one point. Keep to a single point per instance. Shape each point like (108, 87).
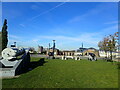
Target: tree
(112, 44)
(103, 45)
(32, 49)
(4, 35)
(109, 43)
(117, 40)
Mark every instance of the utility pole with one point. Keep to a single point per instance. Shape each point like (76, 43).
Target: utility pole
(82, 49)
(15, 44)
(53, 48)
(49, 51)
(49, 46)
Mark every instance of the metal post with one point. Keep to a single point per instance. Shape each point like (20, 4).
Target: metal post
(49, 51)
(82, 49)
(53, 48)
(15, 44)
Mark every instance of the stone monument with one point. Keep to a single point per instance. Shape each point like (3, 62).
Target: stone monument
(11, 65)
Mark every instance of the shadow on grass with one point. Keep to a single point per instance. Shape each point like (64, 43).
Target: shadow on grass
(33, 64)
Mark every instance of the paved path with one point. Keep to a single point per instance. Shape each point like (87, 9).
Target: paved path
(45, 56)
(38, 55)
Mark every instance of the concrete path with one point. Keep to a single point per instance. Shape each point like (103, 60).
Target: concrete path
(45, 56)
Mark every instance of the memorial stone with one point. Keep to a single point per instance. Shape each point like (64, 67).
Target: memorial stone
(11, 65)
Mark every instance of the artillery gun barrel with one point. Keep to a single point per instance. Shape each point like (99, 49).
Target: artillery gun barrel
(10, 53)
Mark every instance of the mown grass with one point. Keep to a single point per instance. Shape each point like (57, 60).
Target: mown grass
(67, 74)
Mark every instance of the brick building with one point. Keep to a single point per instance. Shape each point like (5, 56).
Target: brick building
(69, 52)
(40, 49)
(56, 51)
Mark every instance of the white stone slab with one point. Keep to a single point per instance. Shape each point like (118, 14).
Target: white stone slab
(8, 63)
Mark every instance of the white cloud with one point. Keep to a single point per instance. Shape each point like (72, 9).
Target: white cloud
(65, 41)
(90, 39)
(97, 10)
(49, 10)
(22, 25)
(112, 22)
(35, 40)
(14, 36)
(35, 7)
(111, 29)
(13, 40)
(77, 18)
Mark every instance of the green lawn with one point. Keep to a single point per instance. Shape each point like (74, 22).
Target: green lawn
(67, 74)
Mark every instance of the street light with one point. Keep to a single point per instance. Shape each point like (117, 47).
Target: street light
(49, 51)
(82, 49)
(15, 44)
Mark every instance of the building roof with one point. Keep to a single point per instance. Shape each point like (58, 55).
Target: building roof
(92, 48)
(84, 49)
(81, 49)
(55, 48)
(68, 50)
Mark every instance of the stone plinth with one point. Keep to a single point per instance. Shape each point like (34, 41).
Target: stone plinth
(15, 68)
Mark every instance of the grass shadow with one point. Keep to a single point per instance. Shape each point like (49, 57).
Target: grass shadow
(33, 64)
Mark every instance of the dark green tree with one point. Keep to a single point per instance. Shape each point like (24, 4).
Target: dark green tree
(4, 35)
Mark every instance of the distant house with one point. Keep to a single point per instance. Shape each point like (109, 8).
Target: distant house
(91, 50)
(80, 51)
(56, 51)
(40, 49)
(69, 52)
(107, 54)
(86, 51)
(115, 55)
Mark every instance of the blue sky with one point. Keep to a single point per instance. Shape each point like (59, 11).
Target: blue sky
(69, 23)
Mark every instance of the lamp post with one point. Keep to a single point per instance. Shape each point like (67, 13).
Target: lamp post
(49, 47)
(82, 49)
(15, 44)
(49, 51)
(53, 48)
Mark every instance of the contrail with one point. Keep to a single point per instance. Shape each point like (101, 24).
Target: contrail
(50, 10)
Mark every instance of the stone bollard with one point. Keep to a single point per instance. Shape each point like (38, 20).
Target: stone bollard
(62, 57)
(65, 58)
(77, 58)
